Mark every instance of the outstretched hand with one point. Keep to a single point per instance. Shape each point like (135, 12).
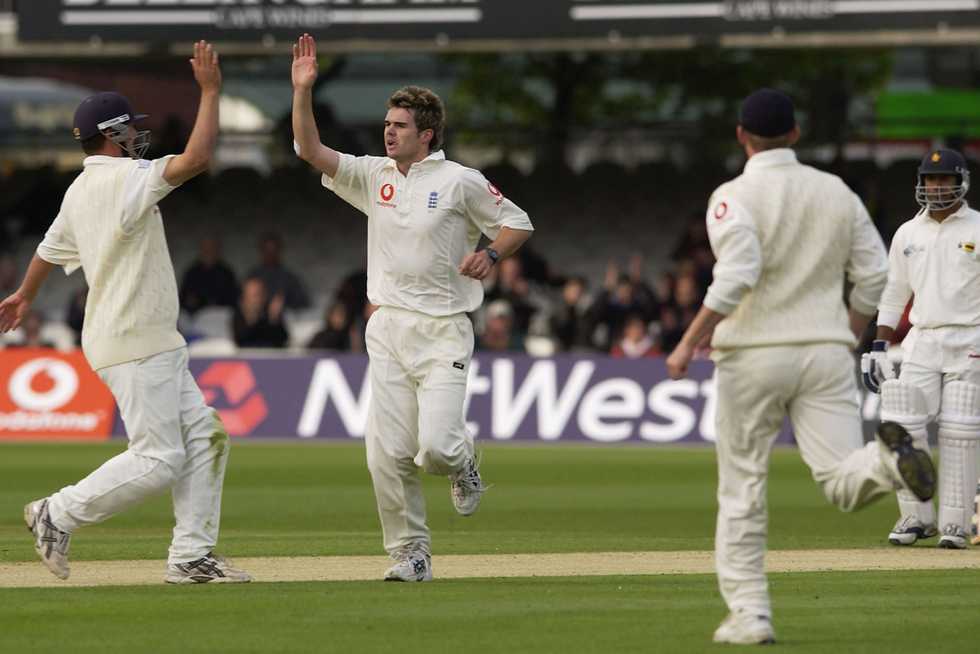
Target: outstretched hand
(304, 62)
(12, 311)
(204, 63)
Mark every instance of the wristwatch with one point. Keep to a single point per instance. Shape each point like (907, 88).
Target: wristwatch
(494, 256)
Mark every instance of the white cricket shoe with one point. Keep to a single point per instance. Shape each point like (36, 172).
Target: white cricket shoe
(50, 543)
(745, 628)
(953, 538)
(909, 529)
(467, 488)
(207, 569)
(411, 565)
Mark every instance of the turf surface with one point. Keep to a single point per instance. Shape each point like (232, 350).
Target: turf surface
(312, 500)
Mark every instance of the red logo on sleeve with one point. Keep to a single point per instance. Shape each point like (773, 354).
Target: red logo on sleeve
(495, 192)
(721, 211)
(387, 192)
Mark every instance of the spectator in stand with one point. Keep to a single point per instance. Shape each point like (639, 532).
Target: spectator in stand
(76, 312)
(358, 329)
(209, 281)
(30, 329)
(352, 293)
(499, 334)
(506, 282)
(258, 320)
(571, 322)
(687, 298)
(636, 342)
(336, 331)
(671, 328)
(695, 247)
(620, 298)
(278, 280)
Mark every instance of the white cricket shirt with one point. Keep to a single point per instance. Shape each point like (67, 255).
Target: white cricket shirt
(939, 263)
(421, 226)
(110, 226)
(784, 236)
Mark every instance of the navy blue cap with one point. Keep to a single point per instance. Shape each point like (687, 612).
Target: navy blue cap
(943, 162)
(100, 108)
(767, 113)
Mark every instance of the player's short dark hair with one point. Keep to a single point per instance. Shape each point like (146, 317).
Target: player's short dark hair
(763, 143)
(426, 108)
(93, 144)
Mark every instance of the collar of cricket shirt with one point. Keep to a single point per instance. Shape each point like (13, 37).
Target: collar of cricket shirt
(101, 159)
(438, 155)
(770, 158)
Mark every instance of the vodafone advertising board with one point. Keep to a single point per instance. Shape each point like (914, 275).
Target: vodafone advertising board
(50, 394)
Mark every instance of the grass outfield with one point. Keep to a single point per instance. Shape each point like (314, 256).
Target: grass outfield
(317, 500)
(306, 499)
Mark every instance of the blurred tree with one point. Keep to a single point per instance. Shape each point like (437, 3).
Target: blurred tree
(547, 96)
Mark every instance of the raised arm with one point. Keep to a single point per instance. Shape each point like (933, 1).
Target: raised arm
(200, 146)
(308, 145)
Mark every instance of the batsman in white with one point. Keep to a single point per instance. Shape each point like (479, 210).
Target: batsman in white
(785, 235)
(934, 257)
(425, 215)
(110, 226)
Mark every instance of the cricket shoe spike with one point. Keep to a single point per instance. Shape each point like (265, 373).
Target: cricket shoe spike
(208, 569)
(910, 529)
(913, 467)
(411, 565)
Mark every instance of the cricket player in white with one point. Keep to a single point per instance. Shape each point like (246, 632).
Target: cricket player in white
(785, 235)
(425, 216)
(934, 257)
(110, 227)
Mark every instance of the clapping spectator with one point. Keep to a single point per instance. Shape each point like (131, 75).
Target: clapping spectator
(258, 321)
(335, 334)
(209, 281)
(278, 280)
(636, 342)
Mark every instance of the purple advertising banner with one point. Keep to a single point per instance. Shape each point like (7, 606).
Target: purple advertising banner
(577, 399)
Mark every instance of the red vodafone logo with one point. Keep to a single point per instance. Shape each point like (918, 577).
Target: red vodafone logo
(387, 192)
(44, 384)
(235, 381)
(721, 211)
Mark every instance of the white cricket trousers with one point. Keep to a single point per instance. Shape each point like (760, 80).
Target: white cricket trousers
(176, 441)
(815, 386)
(419, 367)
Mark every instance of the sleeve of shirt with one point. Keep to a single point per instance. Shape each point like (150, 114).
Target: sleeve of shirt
(145, 187)
(867, 267)
(58, 246)
(487, 207)
(738, 253)
(352, 181)
(898, 290)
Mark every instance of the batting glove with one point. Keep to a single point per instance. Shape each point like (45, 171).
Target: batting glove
(876, 367)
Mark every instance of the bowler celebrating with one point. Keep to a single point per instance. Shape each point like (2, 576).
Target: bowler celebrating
(110, 227)
(425, 216)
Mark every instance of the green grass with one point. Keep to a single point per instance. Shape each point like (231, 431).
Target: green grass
(831, 612)
(310, 500)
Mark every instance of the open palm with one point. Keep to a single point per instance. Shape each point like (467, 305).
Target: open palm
(304, 62)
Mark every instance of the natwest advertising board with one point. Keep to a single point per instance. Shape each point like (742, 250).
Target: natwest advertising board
(510, 398)
(49, 394)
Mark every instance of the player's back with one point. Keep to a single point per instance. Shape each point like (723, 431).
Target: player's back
(804, 219)
(110, 220)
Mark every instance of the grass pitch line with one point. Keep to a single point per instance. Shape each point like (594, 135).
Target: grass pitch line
(362, 568)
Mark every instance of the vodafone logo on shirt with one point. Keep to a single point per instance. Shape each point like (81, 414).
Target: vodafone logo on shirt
(387, 193)
(49, 394)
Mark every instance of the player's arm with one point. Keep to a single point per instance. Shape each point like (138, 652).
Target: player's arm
(478, 264)
(14, 308)
(196, 157)
(738, 252)
(307, 137)
(867, 269)
(898, 289)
